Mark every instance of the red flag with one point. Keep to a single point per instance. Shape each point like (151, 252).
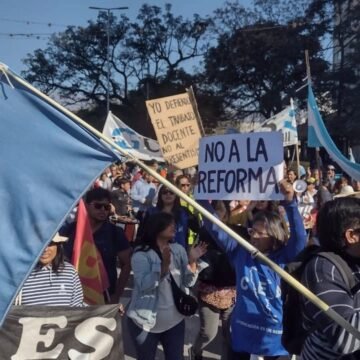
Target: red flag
(88, 261)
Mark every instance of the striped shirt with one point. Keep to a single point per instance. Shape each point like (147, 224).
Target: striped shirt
(330, 340)
(45, 287)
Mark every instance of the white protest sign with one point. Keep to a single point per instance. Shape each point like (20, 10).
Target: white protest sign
(176, 129)
(240, 167)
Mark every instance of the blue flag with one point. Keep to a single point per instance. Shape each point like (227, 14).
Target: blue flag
(319, 136)
(47, 162)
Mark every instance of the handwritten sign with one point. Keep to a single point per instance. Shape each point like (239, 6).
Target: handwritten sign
(240, 167)
(176, 129)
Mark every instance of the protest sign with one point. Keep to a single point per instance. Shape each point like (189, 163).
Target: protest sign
(240, 167)
(61, 332)
(176, 128)
(128, 139)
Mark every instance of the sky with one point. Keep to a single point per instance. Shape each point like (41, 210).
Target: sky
(44, 17)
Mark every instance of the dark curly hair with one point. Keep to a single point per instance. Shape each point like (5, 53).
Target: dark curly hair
(334, 218)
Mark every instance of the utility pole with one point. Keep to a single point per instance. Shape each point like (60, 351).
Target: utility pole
(108, 10)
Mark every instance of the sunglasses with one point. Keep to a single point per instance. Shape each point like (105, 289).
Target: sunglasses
(167, 192)
(184, 185)
(99, 206)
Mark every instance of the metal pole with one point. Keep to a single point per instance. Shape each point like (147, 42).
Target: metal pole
(108, 64)
(108, 10)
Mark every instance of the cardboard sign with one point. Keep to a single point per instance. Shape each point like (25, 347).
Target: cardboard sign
(176, 129)
(240, 167)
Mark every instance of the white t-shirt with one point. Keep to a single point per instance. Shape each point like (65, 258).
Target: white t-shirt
(167, 315)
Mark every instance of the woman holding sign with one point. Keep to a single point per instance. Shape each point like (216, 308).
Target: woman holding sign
(256, 321)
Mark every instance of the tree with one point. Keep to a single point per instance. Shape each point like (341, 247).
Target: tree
(254, 67)
(74, 65)
(340, 21)
(144, 55)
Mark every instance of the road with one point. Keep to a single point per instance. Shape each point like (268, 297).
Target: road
(191, 329)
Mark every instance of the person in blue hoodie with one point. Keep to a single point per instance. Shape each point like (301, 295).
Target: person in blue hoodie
(256, 321)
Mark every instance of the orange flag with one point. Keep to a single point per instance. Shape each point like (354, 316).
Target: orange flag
(88, 261)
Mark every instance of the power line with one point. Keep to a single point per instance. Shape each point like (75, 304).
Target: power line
(19, 36)
(27, 22)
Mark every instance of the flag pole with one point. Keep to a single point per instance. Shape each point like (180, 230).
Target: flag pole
(317, 150)
(245, 244)
(192, 98)
(297, 141)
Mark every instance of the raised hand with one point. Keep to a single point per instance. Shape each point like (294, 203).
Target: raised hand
(197, 251)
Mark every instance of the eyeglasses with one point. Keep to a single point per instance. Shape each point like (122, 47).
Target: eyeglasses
(256, 233)
(99, 206)
(184, 185)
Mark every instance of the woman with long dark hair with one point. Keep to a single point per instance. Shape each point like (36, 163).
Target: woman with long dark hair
(153, 316)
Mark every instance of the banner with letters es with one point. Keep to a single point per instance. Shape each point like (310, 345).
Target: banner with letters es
(177, 129)
(60, 332)
(240, 167)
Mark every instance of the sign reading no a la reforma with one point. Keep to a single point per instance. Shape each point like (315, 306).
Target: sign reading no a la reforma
(240, 167)
(176, 128)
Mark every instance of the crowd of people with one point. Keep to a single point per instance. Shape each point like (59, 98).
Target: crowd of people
(141, 225)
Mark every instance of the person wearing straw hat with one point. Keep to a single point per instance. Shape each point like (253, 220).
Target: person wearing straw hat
(53, 281)
(338, 228)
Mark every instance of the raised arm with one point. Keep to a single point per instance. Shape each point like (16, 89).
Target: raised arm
(224, 240)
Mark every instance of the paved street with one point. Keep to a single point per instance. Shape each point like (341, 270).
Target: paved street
(192, 328)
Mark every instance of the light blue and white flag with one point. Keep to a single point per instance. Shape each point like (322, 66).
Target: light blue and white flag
(285, 122)
(128, 139)
(47, 162)
(319, 136)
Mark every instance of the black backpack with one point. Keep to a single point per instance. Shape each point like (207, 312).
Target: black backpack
(294, 335)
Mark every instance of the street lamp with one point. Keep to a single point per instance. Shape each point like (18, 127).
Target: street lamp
(108, 10)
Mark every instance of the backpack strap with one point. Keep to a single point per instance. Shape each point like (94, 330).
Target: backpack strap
(343, 267)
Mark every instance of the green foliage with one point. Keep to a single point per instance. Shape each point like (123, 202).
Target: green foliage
(248, 61)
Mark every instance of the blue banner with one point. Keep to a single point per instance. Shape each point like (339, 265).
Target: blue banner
(47, 162)
(319, 136)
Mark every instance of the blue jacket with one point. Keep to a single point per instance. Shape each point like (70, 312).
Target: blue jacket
(256, 321)
(146, 266)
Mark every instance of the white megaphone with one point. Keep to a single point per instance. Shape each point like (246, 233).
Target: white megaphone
(299, 186)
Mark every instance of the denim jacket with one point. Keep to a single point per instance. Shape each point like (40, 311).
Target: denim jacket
(146, 266)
